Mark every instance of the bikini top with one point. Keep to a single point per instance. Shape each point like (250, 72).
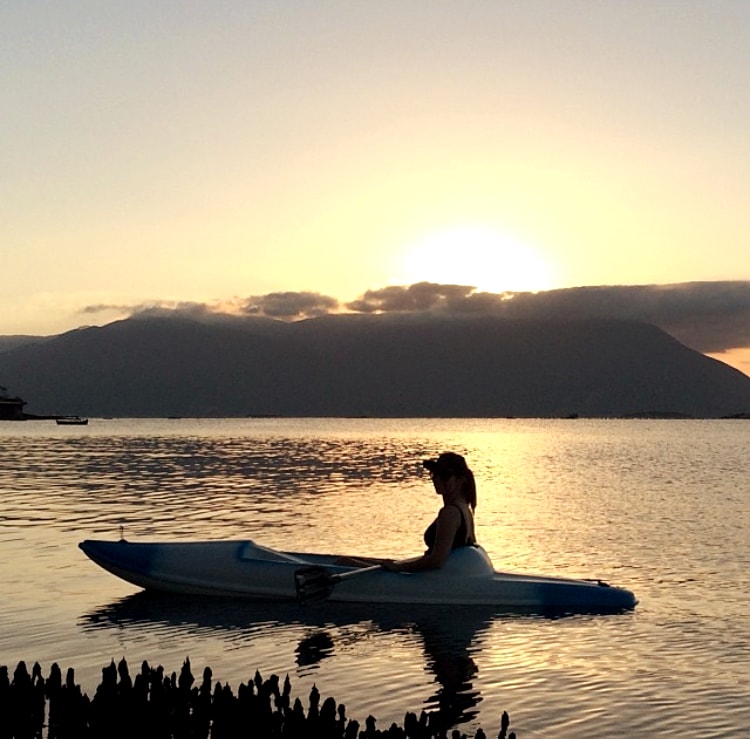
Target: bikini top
(461, 539)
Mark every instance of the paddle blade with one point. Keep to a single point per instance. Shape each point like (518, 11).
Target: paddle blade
(313, 583)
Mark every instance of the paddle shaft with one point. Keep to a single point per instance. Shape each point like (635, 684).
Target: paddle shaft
(353, 573)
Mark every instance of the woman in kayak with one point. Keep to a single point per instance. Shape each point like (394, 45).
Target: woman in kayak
(454, 526)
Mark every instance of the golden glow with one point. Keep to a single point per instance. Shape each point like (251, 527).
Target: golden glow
(485, 258)
(737, 358)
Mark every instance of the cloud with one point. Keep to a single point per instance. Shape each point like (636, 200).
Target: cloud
(280, 305)
(155, 307)
(707, 316)
(289, 305)
(422, 296)
(711, 317)
(105, 308)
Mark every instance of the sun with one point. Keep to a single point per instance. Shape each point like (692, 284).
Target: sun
(485, 258)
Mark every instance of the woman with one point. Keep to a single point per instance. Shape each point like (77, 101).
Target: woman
(454, 526)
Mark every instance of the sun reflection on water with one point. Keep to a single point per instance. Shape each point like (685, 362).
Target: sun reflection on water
(658, 507)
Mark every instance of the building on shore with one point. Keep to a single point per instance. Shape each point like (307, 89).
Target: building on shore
(11, 406)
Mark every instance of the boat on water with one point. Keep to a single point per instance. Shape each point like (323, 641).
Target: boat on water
(71, 421)
(244, 569)
(11, 406)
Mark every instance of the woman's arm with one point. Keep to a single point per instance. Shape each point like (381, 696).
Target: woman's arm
(448, 522)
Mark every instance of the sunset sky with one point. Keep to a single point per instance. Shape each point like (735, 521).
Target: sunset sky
(166, 152)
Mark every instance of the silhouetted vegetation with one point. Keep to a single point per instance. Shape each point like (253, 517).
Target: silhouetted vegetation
(155, 705)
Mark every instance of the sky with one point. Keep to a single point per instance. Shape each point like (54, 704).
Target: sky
(234, 153)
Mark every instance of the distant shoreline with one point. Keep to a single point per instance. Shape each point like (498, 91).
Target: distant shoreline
(647, 415)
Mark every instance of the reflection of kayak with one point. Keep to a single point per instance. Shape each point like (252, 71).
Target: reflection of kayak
(244, 569)
(447, 638)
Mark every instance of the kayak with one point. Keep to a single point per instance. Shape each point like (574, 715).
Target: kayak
(244, 569)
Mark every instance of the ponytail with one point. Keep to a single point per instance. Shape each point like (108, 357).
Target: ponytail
(469, 489)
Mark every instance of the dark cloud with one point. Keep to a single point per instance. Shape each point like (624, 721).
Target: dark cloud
(422, 296)
(281, 305)
(711, 317)
(707, 316)
(156, 307)
(290, 305)
(105, 308)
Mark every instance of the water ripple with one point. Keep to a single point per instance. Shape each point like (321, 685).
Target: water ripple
(658, 506)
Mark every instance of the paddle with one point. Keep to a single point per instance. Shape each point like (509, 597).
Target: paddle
(317, 583)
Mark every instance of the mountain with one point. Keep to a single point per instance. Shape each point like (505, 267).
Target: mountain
(11, 342)
(370, 365)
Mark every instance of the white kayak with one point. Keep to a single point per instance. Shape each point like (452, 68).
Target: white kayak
(244, 569)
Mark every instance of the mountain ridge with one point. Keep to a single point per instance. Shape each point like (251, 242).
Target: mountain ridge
(371, 365)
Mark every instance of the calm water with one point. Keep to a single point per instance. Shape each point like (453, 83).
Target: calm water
(658, 506)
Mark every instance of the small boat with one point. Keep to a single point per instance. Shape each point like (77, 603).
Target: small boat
(244, 569)
(71, 421)
(11, 406)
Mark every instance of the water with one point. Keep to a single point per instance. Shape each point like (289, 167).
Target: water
(658, 506)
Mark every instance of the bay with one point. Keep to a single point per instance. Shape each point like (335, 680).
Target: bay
(660, 507)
